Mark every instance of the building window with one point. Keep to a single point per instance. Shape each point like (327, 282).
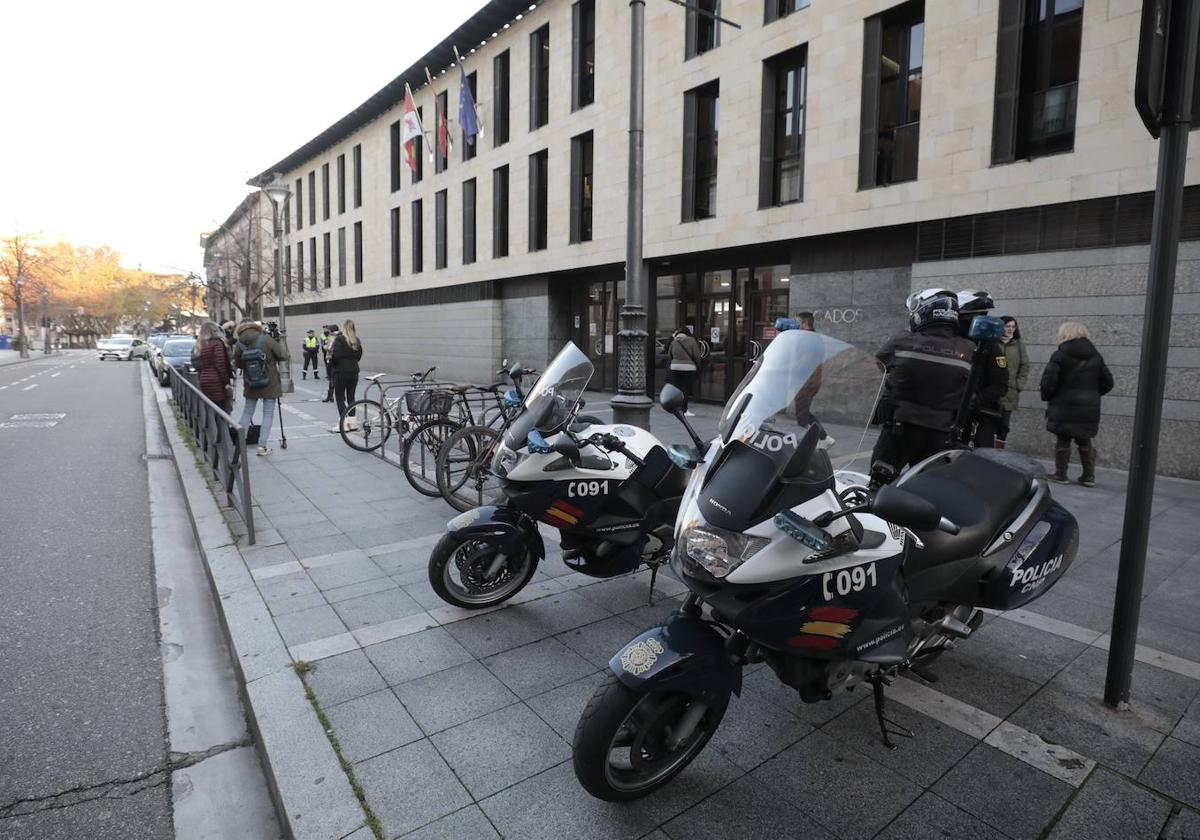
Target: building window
(581, 188)
(539, 77)
(472, 146)
(419, 149)
(701, 121)
(703, 30)
(468, 222)
(1037, 79)
(341, 256)
(286, 212)
(341, 184)
(325, 191)
(312, 197)
(583, 50)
(418, 232)
(358, 176)
(395, 241)
(287, 270)
(312, 262)
(439, 229)
(776, 9)
(394, 154)
(781, 173)
(299, 203)
(538, 194)
(358, 253)
(299, 264)
(328, 261)
(893, 55)
(500, 212)
(500, 99)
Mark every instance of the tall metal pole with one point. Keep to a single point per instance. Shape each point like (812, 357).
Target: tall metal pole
(285, 371)
(631, 405)
(21, 317)
(1152, 371)
(46, 349)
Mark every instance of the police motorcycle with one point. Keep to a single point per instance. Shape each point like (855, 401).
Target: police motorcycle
(612, 491)
(791, 561)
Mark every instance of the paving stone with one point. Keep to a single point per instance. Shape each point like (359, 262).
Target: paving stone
(1004, 792)
(323, 545)
(456, 695)
(1175, 771)
(410, 787)
(755, 730)
(534, 668)
(376, 608)
(521, 624)
(418, 655)
(500, 749)
(1160, 697)
(767, 685)
(1183, 825)
(371, 725)
(309, 625)
(562, 707)
(343, 677)
(599, 642)
(467, 824)
(356, 590)
(337, 575)
(621, 594)
(423, 594)
(837, 785)
(1188, 728)
(299, 534)
(279, 592)
(933, 818)
(1109, 808)
(744, 810)
(257, 557)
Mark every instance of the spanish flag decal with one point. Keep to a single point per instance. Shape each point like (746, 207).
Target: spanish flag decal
(562, 513)
(825, 629)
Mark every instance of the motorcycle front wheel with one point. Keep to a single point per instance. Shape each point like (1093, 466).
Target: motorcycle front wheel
(621, 749)
(459, 573)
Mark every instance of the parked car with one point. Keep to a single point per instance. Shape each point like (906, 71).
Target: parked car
(121, 347)
(154, 351)
(176, 352)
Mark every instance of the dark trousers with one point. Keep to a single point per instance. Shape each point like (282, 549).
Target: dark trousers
(1005, 425)
(343, 390)
(329, 377)
(310, 358)
(987, 429)
(903, 444)
(1064, 442)
(684, 380)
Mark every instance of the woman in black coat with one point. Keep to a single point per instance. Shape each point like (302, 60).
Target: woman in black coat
(1074, 380)
(344, 356)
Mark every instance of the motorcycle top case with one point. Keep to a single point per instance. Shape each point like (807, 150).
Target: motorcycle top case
(1044, 553)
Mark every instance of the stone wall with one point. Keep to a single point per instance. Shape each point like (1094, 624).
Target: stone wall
(863, 307)
(535, 319)
(1105, 290)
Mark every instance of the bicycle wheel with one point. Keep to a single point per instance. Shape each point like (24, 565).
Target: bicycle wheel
(464, 473)
(371, 428)
(420, 454)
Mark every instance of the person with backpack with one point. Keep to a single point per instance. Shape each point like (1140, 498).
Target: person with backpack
(1073, 382)
(346, 352)
(683, 357)
(257, 354)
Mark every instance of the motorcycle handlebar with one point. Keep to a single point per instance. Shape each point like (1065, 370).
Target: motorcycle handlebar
(614, 444)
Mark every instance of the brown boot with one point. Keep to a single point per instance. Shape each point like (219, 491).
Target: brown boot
(1087, 456)
(1001, 443)
(1062, 457)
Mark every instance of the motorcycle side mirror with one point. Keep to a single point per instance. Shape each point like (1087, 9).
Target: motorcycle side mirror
(516, 371)
(906, 509)
(684, 457)
(672, 401)
(567, 447)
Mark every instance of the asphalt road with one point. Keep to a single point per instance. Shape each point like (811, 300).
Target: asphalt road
(82, 729)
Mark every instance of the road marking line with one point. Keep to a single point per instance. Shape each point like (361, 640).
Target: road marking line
(29, 387)
(55, 374)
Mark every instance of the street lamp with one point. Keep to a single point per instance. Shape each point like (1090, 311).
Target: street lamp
(146, 318)
(21, 317)
(46, 350)
(279, 194)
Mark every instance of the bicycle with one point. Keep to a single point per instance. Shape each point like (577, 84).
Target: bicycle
(376, 418)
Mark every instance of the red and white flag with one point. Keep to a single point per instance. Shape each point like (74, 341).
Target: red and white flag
(443, 129)
(412, 129)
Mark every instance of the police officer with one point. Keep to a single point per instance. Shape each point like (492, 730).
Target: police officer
(928, 374)
(311, 346)
(981, 412)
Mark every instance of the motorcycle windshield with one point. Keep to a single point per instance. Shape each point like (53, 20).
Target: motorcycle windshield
(799, 417)
(551, 400)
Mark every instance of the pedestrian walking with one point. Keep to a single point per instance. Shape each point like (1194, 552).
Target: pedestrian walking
(1074, 380)
(330, 333)
(1016, 360)
(807, 321)
(347, 350)
(211, 357)
(311, 345)
(256, 354)
(683, 357)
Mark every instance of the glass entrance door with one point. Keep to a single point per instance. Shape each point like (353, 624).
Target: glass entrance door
(714, 335)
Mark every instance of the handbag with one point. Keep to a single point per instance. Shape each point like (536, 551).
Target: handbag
(253, 433)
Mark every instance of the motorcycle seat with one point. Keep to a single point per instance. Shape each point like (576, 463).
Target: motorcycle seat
(978, 494)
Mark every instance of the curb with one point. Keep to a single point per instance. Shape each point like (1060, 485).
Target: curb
(312, 795)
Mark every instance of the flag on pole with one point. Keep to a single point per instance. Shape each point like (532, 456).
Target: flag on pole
(443, 128)
(468, 117)
(412, 129)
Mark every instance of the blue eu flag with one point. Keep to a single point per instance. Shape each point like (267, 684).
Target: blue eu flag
(467, 118)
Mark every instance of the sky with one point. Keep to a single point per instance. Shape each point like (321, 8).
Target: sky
(137, 124)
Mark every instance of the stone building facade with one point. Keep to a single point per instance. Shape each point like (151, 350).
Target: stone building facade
(867, 148)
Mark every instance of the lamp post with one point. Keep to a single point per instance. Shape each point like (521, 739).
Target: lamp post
(46, 350)
(146, 318)
(21, 316)
(279, 195)
(194, 281)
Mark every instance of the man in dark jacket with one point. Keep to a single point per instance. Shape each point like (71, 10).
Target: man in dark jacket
(1074, 380)
(928, 370)
(250, 336)
(982, 414)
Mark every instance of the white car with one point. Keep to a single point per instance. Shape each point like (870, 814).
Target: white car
(121, 347)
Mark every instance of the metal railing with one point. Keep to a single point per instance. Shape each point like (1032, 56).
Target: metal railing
(220, 442)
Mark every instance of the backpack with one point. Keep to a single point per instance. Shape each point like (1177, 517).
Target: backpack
(254, 363)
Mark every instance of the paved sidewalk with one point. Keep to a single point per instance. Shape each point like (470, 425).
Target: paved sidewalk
(458, 725)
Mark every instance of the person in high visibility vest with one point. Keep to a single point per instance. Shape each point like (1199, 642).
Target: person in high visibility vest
(311, 345)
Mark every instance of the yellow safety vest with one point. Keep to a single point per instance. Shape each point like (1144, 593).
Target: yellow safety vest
(310, 341)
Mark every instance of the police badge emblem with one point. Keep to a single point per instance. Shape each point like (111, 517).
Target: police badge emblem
(1001, 361)
(640, 657)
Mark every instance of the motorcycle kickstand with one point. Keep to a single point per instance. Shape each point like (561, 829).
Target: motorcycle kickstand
(653, 577)
(878, 681)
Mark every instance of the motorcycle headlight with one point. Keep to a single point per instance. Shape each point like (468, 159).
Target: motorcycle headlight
(504, 460)
(719, 552)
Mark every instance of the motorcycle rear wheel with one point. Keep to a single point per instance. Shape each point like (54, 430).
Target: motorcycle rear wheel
(450, 557)
(617, 719)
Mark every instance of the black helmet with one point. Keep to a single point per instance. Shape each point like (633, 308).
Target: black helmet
(932, 306)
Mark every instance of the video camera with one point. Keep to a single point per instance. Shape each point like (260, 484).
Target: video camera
(273, 329)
